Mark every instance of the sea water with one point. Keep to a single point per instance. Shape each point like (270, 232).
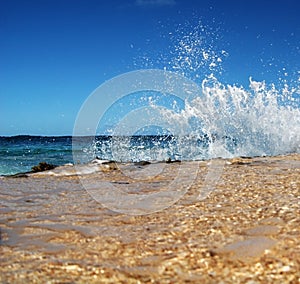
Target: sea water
(20, 153)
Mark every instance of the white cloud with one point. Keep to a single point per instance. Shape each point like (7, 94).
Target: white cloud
(155, 2)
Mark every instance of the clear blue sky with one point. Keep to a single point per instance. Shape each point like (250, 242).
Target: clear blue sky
(54, 53)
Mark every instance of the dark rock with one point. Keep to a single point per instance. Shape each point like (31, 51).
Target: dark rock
(142, 163)
(42, 166)
(169, 161)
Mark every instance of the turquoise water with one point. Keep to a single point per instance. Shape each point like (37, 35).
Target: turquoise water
(20, 153)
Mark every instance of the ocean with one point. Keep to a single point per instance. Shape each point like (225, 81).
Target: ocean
(20, 153)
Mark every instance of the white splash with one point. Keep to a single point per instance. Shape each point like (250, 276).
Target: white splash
(223, 120)
(240, 122)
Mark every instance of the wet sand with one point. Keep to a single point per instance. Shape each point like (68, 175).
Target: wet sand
(246, 231)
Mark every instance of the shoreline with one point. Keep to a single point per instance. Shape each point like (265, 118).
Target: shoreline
(49, 166)
(247, 229)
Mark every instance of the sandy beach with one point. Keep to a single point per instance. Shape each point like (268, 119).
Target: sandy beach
(246, 231)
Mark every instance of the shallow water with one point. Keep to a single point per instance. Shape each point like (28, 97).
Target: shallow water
(50, 221)
(46, 205)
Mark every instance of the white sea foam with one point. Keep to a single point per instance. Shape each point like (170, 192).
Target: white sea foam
(257, 121)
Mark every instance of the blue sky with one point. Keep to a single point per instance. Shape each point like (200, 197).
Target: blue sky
(54, 53)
